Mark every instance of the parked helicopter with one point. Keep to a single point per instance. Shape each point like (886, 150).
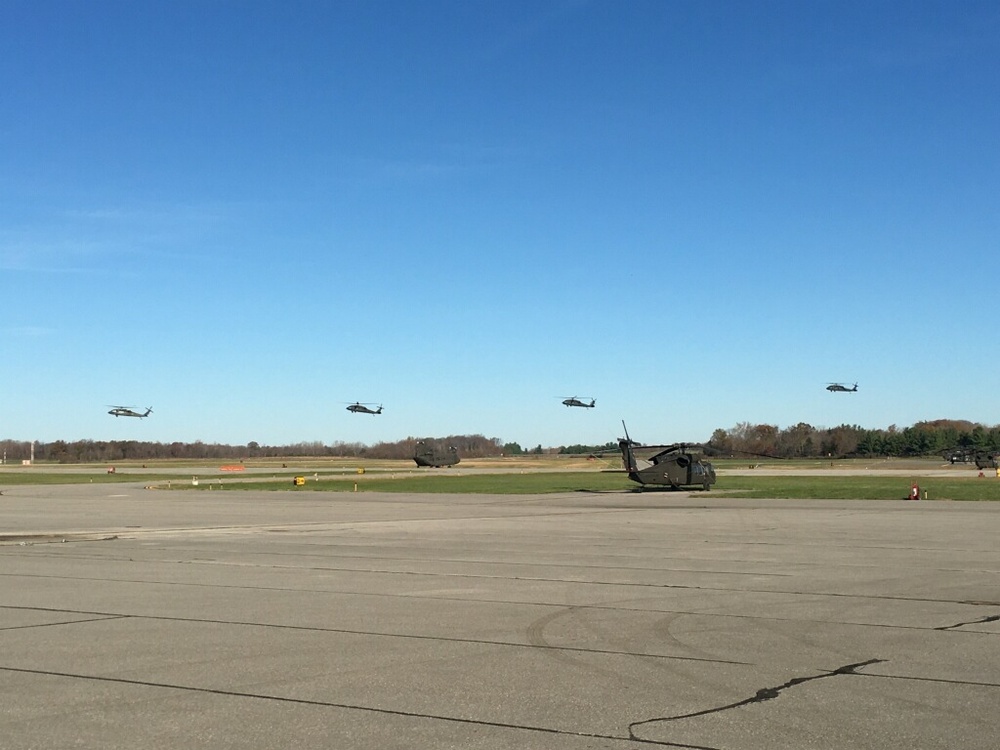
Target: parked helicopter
(841, 388)
(574, 401)
(358, 408)
(432, 455)
(983, 459)
(674, 466)
(129, 411)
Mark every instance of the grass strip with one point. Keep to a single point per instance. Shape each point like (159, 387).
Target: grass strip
(12, 478)
(758, 487)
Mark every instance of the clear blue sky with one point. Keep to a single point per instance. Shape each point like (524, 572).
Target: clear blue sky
(247, 214)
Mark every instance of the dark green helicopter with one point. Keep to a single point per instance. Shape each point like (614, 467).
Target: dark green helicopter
(359, 408)
(983, 459)
(434, 456)
(672, 466)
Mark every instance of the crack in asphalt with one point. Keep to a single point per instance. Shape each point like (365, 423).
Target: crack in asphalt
(345, 706)
(762, 695)
(107, 616)
(980, 621)
(102, 618)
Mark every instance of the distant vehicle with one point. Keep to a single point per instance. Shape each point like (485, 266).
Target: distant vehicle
(364, 408)
(983, 459)
(986, 460)
(672, 466)
(129, 411)
(841, 388)
(574, 401)
(432, 455)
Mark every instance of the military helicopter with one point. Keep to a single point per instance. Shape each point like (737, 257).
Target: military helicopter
(432, 455)
(841, 388)
(129, 411)
(674, 466)
(574, 401)
(358, 408)
(983, 459)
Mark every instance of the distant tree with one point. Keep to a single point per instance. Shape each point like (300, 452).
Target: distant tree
(993, 438)
(978, 437)
(721, 441)
(871, 443)
(578, 449)
(840, 441)
(796, 442)
(15, 450)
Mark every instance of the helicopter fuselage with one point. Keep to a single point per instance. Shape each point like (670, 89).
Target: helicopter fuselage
(124, 411)
(433, 456)
(362, 409)
(673, 466)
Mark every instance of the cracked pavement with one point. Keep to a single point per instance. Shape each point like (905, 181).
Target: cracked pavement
(141, 619)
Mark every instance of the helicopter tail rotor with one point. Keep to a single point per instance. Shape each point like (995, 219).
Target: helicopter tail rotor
(628, 455)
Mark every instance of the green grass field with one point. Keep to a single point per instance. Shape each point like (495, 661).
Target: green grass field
(485, 484)
(857, 487)
(13, 478)
(780, 487)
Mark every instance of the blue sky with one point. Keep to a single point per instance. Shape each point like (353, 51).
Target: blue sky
(248, 214)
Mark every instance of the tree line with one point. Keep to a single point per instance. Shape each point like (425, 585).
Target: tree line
(110, 451)
(798, 441)
(805, 441)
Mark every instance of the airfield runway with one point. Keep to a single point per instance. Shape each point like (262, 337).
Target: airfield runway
(132, 618)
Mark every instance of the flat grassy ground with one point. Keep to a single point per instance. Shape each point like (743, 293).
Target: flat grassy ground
(12, 478)
(857, 487)
(780, 487)
(861, 480)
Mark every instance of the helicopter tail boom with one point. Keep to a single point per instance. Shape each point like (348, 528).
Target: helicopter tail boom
(628, 455)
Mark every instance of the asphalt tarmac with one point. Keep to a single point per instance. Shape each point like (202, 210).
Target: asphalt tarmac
(133, 618)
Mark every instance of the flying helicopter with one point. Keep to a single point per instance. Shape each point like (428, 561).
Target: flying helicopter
(129, 411)
(574, 401)
(432, 455)
(673, 466)
(841, 388)
(359, 408)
